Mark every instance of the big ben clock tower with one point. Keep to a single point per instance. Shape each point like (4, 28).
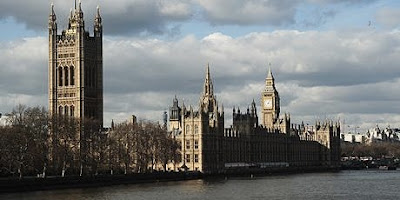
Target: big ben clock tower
(270, 102)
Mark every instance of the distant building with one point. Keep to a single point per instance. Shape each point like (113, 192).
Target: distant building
(377, 134)
(4, 121)
(354, 138)
(208, 147)
(373, 135)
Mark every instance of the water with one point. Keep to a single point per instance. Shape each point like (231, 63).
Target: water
(366, 184)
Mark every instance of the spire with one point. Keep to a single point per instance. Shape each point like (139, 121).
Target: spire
(52, 8)
(270, 76)
(52, 13)
(78, 15)
(97, 20)
(52, 18)
(270, 81)
(71, 14)
(175, 102)
(98, 12)
(208, 69)
(208, 86)
(79, 9)
(80, 6)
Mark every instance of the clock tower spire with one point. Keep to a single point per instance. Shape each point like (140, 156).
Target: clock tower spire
(270, 102)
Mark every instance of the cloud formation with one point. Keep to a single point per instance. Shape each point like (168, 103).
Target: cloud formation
(388, 17)
(120, 16)
(249, 12)
(319, 74)
(146, 17)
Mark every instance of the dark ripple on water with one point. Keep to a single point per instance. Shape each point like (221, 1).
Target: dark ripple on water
(367, 184)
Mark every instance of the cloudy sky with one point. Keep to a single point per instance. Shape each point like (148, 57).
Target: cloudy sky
(336, 59)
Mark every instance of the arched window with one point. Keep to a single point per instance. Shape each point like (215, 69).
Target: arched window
(196, 129)
(66, 74)
(60, 77)
(72, 111)
(187, 129)
(72, 72)
(60, 110)
(66, 110)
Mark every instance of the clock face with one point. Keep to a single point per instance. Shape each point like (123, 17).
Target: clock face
(268, 103)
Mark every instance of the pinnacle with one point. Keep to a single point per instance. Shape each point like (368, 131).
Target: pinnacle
(208, 90)
(270, 72)
(98, 12)
(208, 71)
(52, 8)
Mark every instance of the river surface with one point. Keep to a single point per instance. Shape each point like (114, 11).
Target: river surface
(365, 184)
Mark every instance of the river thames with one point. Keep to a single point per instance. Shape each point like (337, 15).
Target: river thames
(365, 184)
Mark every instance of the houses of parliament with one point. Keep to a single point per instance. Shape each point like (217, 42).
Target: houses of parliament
(209, 147)
(206, 145)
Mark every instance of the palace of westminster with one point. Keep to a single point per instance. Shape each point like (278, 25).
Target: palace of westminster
(76, 89)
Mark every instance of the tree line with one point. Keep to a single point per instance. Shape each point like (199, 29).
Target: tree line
(374, 150)
(34, 143)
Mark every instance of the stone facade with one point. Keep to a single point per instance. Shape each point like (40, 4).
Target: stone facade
(200, 132)
(76, 67)
(208, 147)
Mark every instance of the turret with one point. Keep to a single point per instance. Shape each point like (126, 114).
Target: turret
(52, 20)
(98, 27)
(76, 21)
(253, 109)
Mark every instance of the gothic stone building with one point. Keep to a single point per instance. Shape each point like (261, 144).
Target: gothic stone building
(200, 132)
(208, 147)
(76, 67)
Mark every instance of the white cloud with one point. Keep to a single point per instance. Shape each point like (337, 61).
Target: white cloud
(388, 17)
(318, 74)
(176, 9)
(249, 12)
(146, 17)
(120, 16)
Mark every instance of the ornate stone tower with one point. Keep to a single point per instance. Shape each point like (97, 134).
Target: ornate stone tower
(175, 116)
(76, 67)
(270, 107)
(200, 132)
